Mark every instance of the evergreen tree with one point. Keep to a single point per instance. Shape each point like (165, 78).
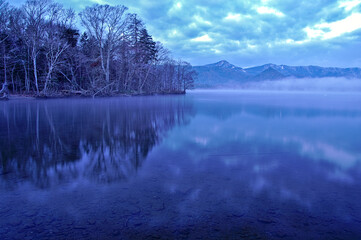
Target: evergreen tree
(147, 46)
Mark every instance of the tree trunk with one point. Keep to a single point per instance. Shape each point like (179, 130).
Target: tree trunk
(47, 80)
(107, 74)
(12, 78)
(27, 82)
(4, 91)
(102, 60)
(35, 70)
(5, 68)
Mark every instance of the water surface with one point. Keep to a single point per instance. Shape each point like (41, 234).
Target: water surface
(225, 164)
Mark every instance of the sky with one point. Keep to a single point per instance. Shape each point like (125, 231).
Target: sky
(250, 32)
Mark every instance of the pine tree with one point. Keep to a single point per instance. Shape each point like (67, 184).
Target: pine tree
(147, 46)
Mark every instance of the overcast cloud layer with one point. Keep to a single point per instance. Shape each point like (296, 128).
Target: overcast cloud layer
(251, 32)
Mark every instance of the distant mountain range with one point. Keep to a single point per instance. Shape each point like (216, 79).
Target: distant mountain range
(224, 74)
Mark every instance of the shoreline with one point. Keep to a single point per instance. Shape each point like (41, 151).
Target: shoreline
(64, 96)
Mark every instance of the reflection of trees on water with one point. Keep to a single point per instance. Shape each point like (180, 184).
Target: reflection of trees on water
(103, 140)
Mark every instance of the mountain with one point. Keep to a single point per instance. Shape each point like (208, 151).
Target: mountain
(225, 74)
(308, 71)
(219, 74)
(268, 74)
(222, 64)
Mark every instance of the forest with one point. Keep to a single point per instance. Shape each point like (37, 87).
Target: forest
(48, 50)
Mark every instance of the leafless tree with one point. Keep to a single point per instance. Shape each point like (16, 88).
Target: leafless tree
(106, 24)
(55, 43)
(36, 12)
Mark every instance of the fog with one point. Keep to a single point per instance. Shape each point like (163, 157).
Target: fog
(307, 84)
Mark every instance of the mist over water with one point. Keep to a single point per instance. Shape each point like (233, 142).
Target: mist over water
(307, 84)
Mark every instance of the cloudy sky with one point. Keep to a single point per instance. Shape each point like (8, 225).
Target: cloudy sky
(251, 32)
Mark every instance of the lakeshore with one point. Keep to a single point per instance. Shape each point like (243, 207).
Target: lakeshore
(60, 96)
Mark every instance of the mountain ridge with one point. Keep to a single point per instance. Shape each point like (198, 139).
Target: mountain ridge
(223, 73)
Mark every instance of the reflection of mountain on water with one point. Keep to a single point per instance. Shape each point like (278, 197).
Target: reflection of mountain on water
(102, 140)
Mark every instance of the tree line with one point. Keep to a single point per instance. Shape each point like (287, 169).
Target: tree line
(44, 53)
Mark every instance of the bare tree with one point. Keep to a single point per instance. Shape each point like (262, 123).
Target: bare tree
(106, 24)
(55, 42)
(4, 10)
(19, 51)
(187, 75)
(36, 12)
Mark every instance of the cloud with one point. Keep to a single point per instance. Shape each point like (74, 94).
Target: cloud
(349, 4)
(99, 1)
(204, 38)
(233, 17)
(255, 32)
(268, 10)
(176, 8)
(335, 29)
(200, 20)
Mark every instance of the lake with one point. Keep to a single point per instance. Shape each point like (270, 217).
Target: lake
(210, 164)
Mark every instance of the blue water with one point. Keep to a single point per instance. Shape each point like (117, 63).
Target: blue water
(211, 164)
